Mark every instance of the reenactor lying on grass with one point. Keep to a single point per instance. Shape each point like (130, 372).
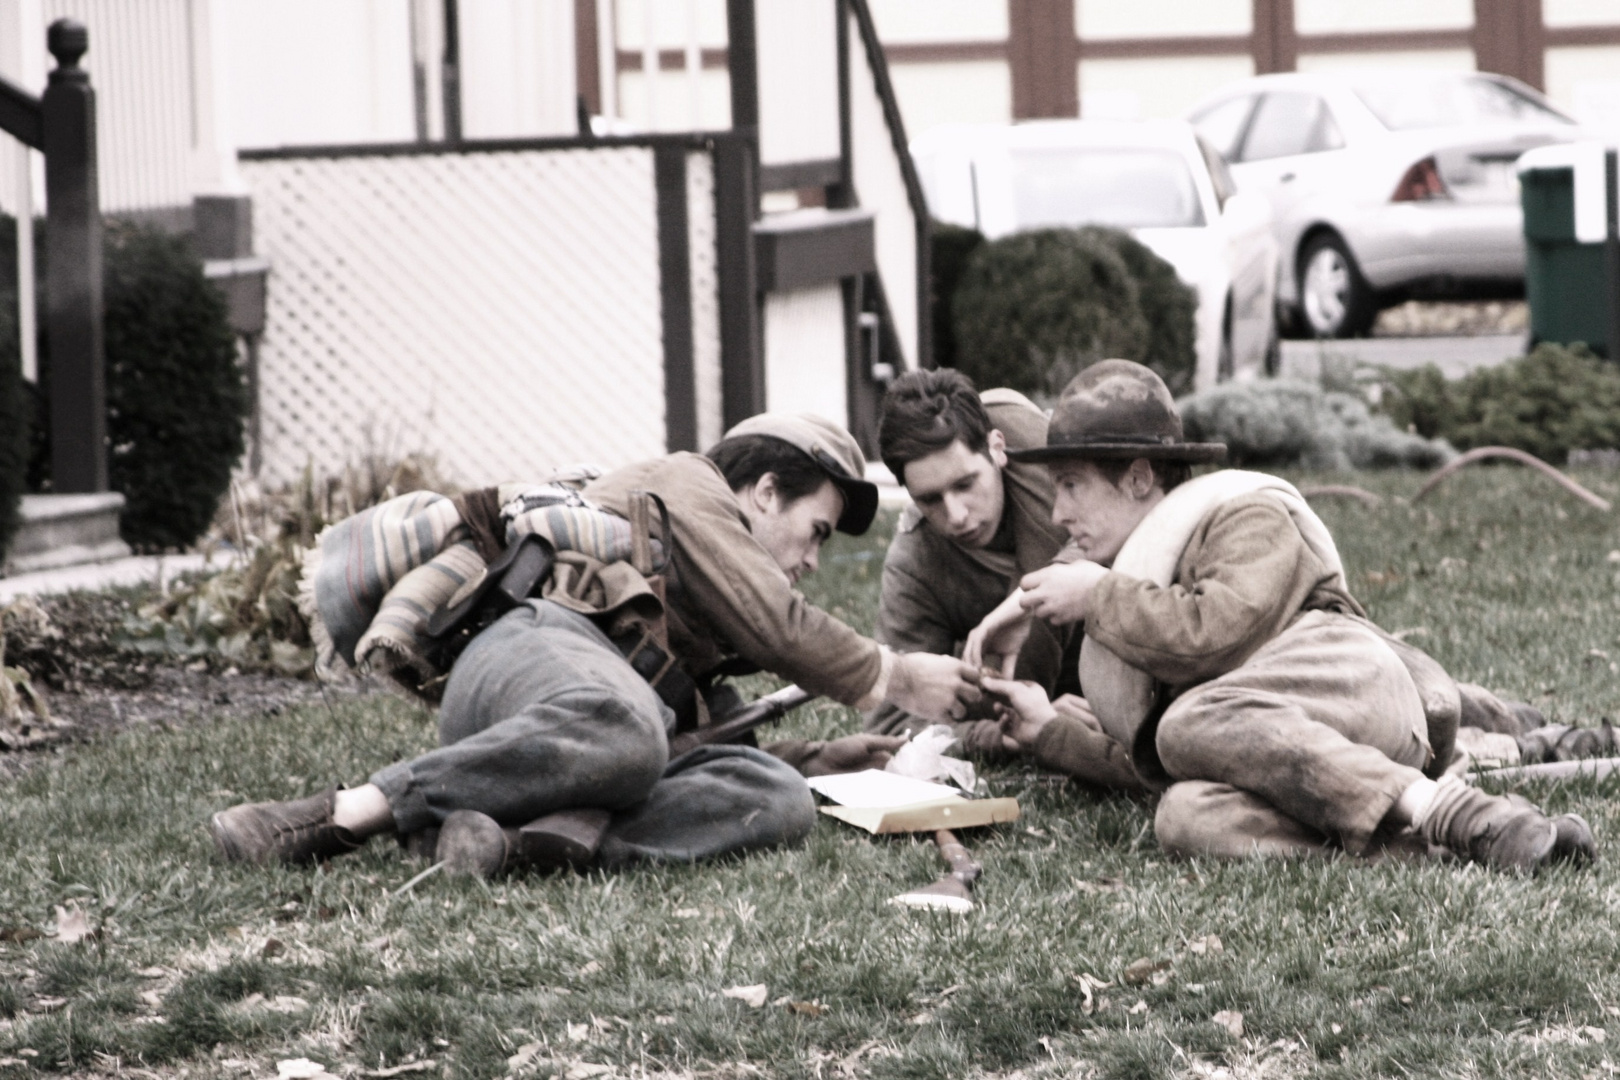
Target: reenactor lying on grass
(567, 702)
(977, 524)
(1223, 648)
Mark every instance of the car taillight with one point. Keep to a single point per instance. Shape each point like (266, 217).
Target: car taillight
(1422, 181)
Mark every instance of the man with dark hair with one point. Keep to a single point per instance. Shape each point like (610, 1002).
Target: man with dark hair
(977, 524)
(1224, 649)
(551, 711)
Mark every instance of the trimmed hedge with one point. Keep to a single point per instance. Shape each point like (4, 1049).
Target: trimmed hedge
(16, 402)
(1034, 309)
(950, 247)
(1272, 423)
(1557, 399)
(177, 401)
(15, 420)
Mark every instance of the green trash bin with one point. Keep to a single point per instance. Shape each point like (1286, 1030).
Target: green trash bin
(1572, 248)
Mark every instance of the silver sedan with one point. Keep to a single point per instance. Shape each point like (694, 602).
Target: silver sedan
(1384, 185)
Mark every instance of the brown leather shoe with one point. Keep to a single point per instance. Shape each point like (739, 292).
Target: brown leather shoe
(474, 843)
(1503, 832)
(296, 831)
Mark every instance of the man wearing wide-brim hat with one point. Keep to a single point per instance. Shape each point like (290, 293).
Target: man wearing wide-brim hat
(1223, 647)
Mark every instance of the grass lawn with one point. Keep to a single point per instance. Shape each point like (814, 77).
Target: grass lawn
(1338, 968)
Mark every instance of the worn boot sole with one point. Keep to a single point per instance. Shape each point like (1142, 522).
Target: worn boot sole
(568, 838)
(473, 844)
(1574, 842)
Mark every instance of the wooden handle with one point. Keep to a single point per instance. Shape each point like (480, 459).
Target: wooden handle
(963, 867)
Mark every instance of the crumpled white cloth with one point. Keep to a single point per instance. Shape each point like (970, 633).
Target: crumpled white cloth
(924, 758)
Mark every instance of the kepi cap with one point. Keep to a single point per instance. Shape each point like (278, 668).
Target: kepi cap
(1118, 410)
(830, 447)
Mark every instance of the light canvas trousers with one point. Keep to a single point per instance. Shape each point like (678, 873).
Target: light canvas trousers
(1306, 745)
(542, 713)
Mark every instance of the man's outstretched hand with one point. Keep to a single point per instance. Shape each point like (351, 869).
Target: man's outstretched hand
(933, 687)
(996, 642)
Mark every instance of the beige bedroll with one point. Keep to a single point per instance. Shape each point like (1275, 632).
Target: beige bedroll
(1125, 699)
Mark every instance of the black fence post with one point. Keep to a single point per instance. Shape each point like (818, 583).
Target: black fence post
(73, 268)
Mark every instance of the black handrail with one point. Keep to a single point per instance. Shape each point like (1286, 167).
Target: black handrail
(20, 115)
(877, 61)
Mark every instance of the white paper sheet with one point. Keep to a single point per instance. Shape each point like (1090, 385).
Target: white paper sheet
(879, 790)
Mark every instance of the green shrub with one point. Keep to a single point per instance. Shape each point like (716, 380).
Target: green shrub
(16, 406)
(950, 247)
(176, 398)
(1035, 308)
(1557, 399)
(1272, 423)
(1170, 306)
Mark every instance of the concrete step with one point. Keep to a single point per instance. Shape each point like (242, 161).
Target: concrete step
(66, 530)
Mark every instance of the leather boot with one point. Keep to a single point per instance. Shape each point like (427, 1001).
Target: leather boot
(1502, 832)
(474, 843)
(295, 831)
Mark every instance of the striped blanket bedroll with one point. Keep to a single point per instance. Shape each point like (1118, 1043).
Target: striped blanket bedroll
(372, 581)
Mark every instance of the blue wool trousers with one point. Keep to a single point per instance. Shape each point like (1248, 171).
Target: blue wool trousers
(541, 713)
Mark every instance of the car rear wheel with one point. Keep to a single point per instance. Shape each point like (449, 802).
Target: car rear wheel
(1335, 299)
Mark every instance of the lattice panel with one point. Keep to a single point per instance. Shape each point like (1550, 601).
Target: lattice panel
(498, 310)
(705, 297)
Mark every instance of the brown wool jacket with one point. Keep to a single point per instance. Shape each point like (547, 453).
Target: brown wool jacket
(936, 591)
(1245, 576)
(725, 595)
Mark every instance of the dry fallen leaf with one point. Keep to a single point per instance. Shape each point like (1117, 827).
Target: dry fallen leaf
(48, 1004)
(807, 1008)
(71, 926)
(19, 933)
(152, 972)
(584, 1070)
(1231, 1020)
(1209, 944)
(1141, 972)
(1336, 1028)
(753, 996)
(524, 1056)
(578, 1032)
(591, 968)
(1139, 1008)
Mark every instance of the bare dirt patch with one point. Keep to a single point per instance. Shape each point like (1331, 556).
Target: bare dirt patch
(76, 656)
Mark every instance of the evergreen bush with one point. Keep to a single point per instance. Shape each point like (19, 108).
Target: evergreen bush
(176, 398)
(1272, 423)
(16, 405)
(950, 247)
(1557, 399)
(15, 421)
(1170, 306)
(1034, 309)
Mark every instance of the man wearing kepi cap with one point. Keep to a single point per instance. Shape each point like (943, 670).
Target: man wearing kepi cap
(1223, 647)
(543, 714)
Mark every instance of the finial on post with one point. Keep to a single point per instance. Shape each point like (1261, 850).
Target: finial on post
(68, 40)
